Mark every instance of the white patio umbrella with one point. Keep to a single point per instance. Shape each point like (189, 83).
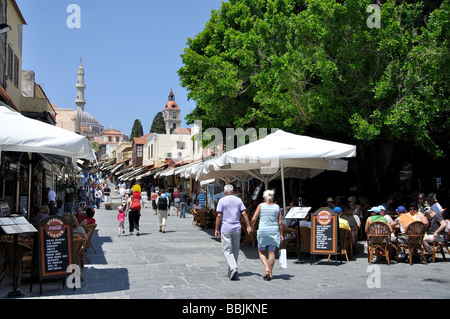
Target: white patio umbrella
(22, 134)
(268, 157)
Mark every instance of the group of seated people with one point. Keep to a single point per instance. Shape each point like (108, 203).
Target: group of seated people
(434, 222)
(397, 219)
(77, 220)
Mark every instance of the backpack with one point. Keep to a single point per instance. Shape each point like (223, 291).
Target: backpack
(162, 202)
(136, 203)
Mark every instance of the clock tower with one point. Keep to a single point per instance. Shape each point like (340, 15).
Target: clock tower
(172, 114)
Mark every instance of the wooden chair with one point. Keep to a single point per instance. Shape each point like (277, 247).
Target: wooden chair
(414, 233)
(89, 229)
(213, 218)
(440, 244)
(378, 238)
(346, 243)
(78, 251)
(305, 238)
(196, 220)
(290, 243)
(24, 259)
(249, 238)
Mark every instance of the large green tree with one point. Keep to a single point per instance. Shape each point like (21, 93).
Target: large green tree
(137, 130)
(318, 67)
(158, 124)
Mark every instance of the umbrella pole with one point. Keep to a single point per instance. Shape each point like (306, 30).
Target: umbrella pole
(30, 175)
(282, 187)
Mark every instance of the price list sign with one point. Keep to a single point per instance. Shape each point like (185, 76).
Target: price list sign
(55, 247)
(324, 226)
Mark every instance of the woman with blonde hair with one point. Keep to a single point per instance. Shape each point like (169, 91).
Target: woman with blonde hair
(76, 228)
(269, 235)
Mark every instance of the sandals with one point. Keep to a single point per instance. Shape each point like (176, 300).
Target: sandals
(267, 276)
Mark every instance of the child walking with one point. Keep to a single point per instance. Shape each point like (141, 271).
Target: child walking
(121, 217)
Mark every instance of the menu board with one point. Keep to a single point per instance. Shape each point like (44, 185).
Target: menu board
(297, 213)
(324, 232)
(55, 247)
(16, 225)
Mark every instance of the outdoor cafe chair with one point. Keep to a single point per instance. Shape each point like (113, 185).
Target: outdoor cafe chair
(290, 239)
(195, 221)
(305, 238)
(345, 242)
(78, 251)
(414, 234)
(201, 213)
(24, 259)
(440, 243)
(249, 238)
(378, 239)
(90, 229)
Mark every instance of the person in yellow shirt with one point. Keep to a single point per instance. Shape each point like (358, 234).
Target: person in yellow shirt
(342, 222)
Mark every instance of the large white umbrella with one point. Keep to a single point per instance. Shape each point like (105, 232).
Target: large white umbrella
(22, 134)
(268, 157)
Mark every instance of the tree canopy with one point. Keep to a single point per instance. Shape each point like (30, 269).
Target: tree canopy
(158, 124)
(137, 130)
(318, 67)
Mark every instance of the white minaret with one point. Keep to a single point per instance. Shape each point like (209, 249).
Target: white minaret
(80, 101)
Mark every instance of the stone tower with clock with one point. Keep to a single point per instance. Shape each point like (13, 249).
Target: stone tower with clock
(172, 114)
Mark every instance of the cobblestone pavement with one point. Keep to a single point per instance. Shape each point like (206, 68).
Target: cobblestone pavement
(187, 263)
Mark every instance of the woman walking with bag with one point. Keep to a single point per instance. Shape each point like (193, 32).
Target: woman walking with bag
(269, 234)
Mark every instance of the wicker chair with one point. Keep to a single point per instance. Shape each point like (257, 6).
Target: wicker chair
(440, 244)
(290, 241)
(24, 259)
(90, 229)
(414, 233)
(78, 251)
(378, 238)
(248, 238)
(305, 238)
(196, 220)
(346, 244)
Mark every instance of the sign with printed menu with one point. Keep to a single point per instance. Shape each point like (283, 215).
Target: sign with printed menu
(16, 225)
(55, 247)
(324, 232)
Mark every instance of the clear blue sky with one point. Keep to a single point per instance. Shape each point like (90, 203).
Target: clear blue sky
(130, 49)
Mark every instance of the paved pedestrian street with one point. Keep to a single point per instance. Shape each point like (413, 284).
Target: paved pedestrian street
(187, 263)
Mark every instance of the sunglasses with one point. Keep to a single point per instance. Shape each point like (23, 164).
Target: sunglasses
(412, 208)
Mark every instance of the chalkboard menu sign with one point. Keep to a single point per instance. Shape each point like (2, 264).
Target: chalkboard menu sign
(324, 232)
(55, 247)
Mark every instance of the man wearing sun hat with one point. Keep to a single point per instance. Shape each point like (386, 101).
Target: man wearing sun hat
(384, 213)
(375, 218)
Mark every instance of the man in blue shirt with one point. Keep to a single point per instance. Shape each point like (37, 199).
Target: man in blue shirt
(201, 198)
